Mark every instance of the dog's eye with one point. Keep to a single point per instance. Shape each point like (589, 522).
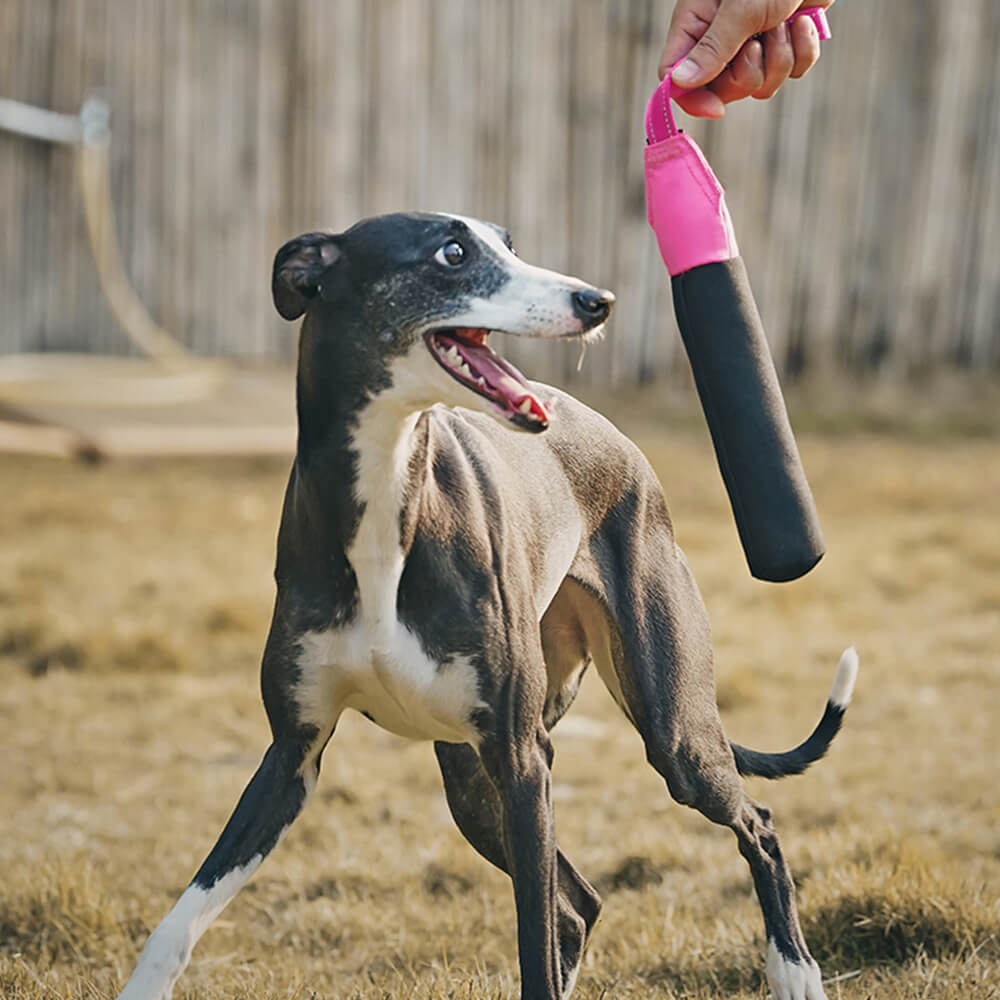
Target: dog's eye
(451, 254)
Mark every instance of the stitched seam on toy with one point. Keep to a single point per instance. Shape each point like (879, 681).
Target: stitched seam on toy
(706, 180)
(667, 116)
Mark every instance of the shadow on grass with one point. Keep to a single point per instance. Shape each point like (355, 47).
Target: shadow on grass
(897, 907)
(634, 872)
(893, 913)
(718, 974)
(39, 651)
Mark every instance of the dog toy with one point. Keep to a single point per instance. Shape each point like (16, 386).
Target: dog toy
(725, 343)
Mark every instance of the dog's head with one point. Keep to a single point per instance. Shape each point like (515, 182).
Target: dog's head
(429, 289)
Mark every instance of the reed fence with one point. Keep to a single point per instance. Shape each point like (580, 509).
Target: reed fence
(866, 196)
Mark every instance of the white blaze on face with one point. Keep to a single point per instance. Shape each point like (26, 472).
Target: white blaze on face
(535, 302)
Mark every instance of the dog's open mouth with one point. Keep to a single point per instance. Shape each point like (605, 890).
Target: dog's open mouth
(465, 357)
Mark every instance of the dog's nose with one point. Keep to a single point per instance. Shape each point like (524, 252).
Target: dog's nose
(593, 303)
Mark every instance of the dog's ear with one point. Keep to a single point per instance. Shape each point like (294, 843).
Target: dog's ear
(301, 267)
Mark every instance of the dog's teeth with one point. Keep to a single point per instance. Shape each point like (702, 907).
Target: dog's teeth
(481, 382)
(465, 370)
(525, 407)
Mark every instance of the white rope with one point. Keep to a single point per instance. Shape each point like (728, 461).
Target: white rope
(39, 123)
(171, 374)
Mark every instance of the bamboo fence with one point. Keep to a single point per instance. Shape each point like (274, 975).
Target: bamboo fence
(866, 196)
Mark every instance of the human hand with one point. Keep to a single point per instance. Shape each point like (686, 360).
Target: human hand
(741, 48)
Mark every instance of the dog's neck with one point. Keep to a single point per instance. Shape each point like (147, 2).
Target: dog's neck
(356, 422)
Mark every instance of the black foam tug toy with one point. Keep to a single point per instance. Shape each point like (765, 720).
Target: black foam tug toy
(725, 343)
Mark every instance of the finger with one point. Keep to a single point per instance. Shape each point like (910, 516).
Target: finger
(779, 58)
(805, 42)
(718, 45)
(687, 25)
(701, 103)
(744, 76)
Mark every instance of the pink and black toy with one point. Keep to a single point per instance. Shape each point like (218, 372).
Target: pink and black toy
(725, 343)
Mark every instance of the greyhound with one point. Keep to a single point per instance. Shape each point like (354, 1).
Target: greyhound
(457, 545)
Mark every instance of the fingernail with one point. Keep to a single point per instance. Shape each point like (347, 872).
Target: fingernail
(686, 72)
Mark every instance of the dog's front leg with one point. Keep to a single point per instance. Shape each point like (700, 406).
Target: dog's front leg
(274, 797)
(517, 759)
(270, 803)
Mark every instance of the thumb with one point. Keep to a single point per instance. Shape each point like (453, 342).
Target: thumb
(716, 48)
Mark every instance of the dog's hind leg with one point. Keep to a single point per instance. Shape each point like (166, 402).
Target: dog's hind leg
(698, 766)
(477, 810)
(661, 672)
(791, 971)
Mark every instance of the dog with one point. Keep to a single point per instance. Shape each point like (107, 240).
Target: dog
(457, 545)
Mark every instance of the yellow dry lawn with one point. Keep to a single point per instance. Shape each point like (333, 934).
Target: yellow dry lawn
(134, 601)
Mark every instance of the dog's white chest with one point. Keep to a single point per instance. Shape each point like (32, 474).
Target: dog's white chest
(375, 664)
(386, 675)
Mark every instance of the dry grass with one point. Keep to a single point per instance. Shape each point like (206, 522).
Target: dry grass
(134, 600)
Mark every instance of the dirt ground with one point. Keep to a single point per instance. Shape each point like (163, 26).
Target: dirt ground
(134, 600)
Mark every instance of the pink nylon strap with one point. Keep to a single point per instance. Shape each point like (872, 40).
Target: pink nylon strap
(660, 122)
(685, 203)
(686, 206)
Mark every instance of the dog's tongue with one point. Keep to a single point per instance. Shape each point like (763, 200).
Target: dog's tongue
(502, 377)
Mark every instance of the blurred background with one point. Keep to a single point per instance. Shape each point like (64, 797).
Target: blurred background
(135, 593)
(865, 198)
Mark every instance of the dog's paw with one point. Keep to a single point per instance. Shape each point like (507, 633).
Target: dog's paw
(793, 980)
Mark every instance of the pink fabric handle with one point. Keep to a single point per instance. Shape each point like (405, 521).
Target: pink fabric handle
(686, 206)
(685, 203)
(659, 116)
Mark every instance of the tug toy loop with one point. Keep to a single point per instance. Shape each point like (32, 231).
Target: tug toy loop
(660, 122)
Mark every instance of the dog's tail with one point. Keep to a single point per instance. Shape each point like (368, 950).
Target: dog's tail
(779, 765)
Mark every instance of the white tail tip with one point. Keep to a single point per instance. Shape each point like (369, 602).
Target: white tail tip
(844, 678)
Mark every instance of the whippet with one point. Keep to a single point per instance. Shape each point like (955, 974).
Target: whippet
(457, 545)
